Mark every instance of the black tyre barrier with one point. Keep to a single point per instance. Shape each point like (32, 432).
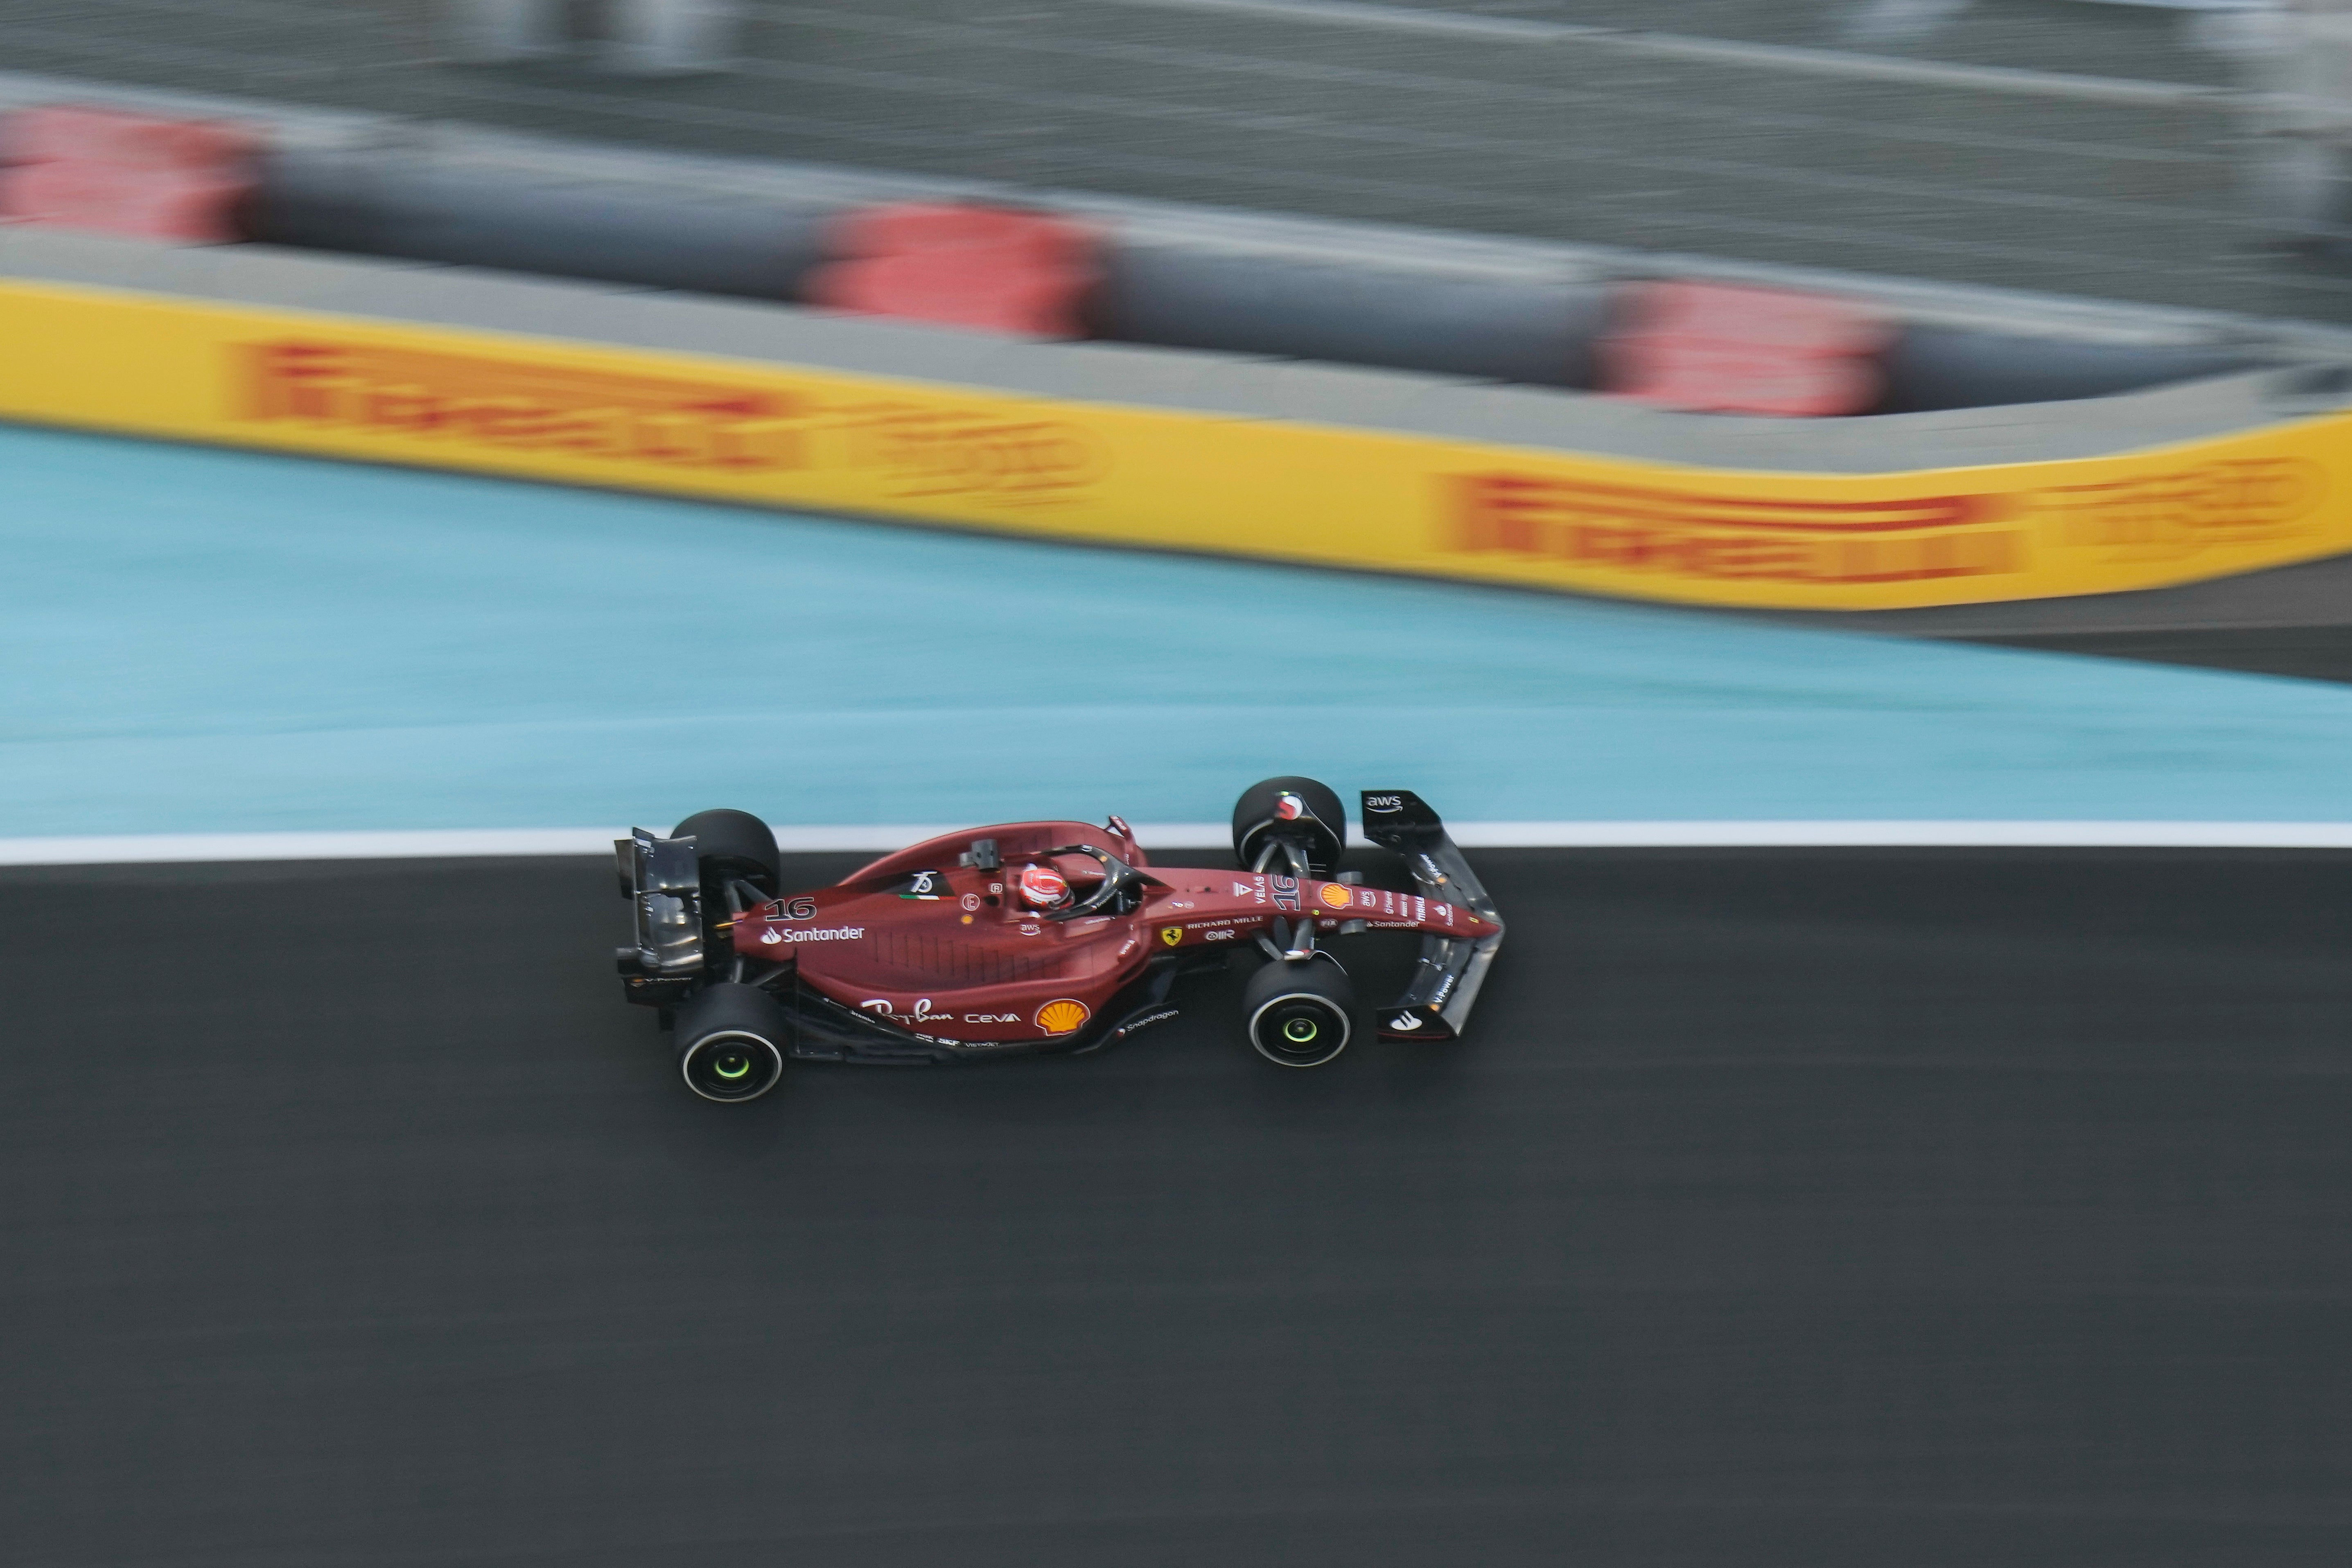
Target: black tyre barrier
(1930, 367)
(1351, 313)
(1193, 296)
(371, 203)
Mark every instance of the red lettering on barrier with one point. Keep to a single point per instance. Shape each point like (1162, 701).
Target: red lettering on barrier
(513, 404)
(1680, 533)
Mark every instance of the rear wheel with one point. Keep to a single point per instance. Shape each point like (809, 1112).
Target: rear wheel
(731, 1041)
(737, 844)
(1302, 812)
(1299, 1015)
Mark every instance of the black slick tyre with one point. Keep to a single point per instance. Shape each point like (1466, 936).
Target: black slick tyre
(730, 1041)
(1304, 812)
(737, 844)
(1299, 1015)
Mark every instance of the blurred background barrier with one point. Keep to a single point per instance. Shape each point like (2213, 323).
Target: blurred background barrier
(1355, 468)
(1493, 346)
(1004, 259)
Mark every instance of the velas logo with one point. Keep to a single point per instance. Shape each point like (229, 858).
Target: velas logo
(1689, 533)
(1334, 896)
(1063, 1016)
(1171, 935)
(517, 405)
(1289, 807)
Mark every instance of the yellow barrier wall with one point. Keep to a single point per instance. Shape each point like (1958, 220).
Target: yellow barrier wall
(824, 440)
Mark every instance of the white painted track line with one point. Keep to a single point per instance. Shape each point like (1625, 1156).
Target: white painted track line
(456, 844)
(1521, 33)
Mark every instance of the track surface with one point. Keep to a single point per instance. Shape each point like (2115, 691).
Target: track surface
(1864, 1208)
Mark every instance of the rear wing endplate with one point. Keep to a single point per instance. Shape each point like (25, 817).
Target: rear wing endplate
(1436, 1003)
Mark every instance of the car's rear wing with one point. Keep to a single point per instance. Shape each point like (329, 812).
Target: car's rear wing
(662, 880)
(1444, 985)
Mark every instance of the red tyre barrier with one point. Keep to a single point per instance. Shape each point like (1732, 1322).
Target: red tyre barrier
(1717, 349)
(118, 172)
(962, 266)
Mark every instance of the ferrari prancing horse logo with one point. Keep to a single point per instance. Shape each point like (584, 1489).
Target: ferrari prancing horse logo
(1171, 935)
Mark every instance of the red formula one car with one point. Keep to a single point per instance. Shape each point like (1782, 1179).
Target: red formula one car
(1036, 936)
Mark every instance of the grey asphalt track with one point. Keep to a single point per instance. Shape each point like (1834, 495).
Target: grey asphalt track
(1823, 1209)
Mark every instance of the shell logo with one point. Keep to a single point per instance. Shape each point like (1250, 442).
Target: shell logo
(1063, 1017)
(1333, 895)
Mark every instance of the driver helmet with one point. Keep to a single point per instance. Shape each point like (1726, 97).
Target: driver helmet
(1042, 887)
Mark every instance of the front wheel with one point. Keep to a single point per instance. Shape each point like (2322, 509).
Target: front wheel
(731, 1041)
(1300, 1014)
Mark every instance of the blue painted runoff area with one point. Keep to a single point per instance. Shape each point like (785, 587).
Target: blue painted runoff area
(214, 641)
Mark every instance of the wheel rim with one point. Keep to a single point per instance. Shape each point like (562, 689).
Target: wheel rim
(731, 1067)
(1299, 1030)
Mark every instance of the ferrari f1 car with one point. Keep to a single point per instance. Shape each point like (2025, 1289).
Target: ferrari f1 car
(1037, 936)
